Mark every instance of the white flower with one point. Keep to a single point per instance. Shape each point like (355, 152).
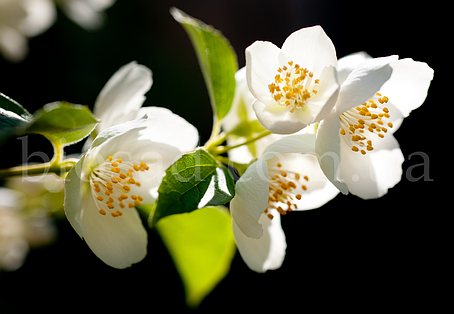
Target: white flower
(123, 168)
(21, 19)
(358, 151)
(284, 179)
(122, 96)
(296, 85)
(23, 224)
(87, 13)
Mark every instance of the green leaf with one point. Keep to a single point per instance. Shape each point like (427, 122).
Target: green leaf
(202, 247)
(194, 181)
(63, 123)
(217, 61)
(9, 104)
(12, 117)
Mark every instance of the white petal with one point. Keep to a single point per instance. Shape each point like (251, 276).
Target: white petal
(123, 94)
(387, 161)
(118, 242)
(311, 48)
(364, 81)
(164, 126)
(348, 63)
(321, 104)
(86, 13)
(408, 85)
(327, 147)
(91, 157)
(300, 143)
(370, 176)
(73, 196)
(13, 45)
(40, 15)
(251, 199)
(261, 68)
(265, 253)
(279, 119)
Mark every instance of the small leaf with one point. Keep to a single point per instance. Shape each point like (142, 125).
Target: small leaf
(9, 104)
(63, 123)
(194, 181)
(202, 247)
(217, 61)
(12, 117)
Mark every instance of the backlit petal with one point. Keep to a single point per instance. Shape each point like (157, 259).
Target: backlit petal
(118, 242)
(265, 253)
(311, 48)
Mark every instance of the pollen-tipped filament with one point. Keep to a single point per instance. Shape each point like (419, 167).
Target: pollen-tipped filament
(284, 188)
(293, 86)
(360, 122)
(111, 185)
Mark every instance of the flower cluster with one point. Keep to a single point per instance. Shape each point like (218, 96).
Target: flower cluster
(296, 124)
(355, 105)
(22, 19)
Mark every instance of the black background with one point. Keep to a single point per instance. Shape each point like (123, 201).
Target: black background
(349, 254)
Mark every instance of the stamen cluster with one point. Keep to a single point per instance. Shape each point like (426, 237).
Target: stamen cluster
(283, 191)
(293, 86)
(368, 117)
(112, 181)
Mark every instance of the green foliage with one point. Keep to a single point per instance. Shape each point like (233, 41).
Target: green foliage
(194, 181)
(217, 61)
(202, 247)
(9, 104)
(63, 123)
(12, 117)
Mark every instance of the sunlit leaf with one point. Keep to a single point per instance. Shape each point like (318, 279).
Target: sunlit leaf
(217, 61)
(12, 117)
(194, 181)
(62, 122)
(202, 247)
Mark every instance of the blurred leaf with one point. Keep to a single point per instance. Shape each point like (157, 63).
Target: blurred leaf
(12, 117)
(63, 123)
(217, 61)
(194, 181)
(202, 247)
(9, 104)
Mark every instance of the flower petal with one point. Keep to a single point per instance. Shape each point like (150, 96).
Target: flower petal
(163, 126)
(92, 156)
(364, 81)
(265, 253)
(73, 195)
(311, 48)
(320, 105)
(123, 94)
(119, 242)
(300, 143)
(261, 68)
(348, 63)
(408, 85)
(327, 147)
(279, 119)
(370, 176)
(251, 199)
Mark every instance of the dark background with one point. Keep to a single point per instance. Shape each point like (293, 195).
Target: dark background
(349, 254)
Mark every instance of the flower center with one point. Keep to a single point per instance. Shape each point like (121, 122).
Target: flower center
(111, 183)
(284, 188)
(360, 122)
(293, 86)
